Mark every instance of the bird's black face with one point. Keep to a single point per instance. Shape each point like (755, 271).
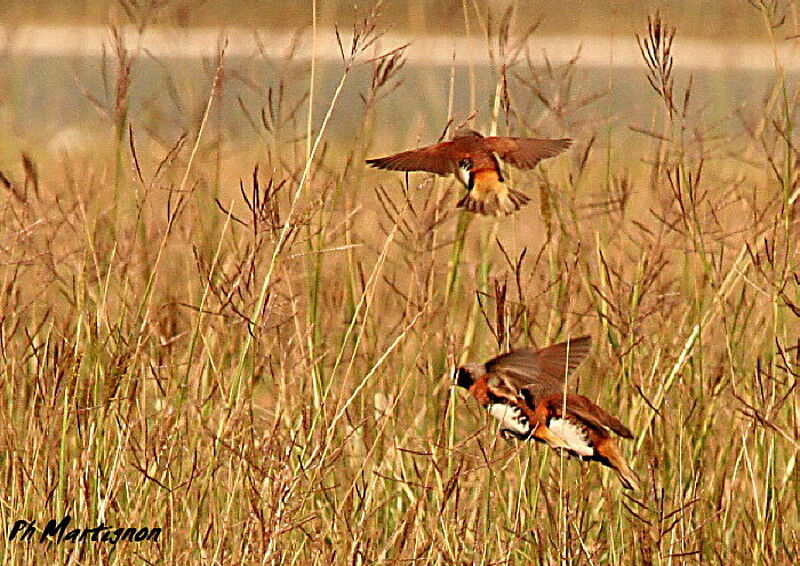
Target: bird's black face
(463, 378)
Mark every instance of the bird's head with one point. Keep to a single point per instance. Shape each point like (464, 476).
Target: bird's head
(466, 375)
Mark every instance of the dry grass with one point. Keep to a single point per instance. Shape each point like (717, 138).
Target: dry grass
(261, 368)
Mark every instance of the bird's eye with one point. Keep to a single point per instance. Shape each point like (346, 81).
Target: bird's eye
(465, 163)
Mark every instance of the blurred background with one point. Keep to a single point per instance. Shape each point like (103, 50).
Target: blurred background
(56, 64)
(721, 20)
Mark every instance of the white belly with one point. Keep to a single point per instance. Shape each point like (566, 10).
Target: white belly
(511, 418)
(572, 435)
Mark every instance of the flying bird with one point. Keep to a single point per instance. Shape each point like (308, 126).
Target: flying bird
(524, 390)
(475, 161)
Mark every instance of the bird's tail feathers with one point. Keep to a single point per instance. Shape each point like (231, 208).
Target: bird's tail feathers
(610, 453)
(494, 203)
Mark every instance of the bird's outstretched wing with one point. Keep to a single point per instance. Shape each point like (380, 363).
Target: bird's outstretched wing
(437, 158)
(541, 372)
(525, 153)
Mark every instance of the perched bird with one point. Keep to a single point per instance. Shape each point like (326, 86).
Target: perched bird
(475, 161)
(524, 390)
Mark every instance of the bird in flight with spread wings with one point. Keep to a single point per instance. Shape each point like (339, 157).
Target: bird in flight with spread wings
(475, 161)
(524, 390)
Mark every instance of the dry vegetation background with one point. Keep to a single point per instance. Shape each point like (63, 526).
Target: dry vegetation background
(258, 361)
(727, 20)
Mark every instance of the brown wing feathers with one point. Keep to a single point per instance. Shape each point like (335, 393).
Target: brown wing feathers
(539, 373)
(433, 158)
(585, 409)
(525, 153)
(549, 362)
(438, 158)
(554, 359)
